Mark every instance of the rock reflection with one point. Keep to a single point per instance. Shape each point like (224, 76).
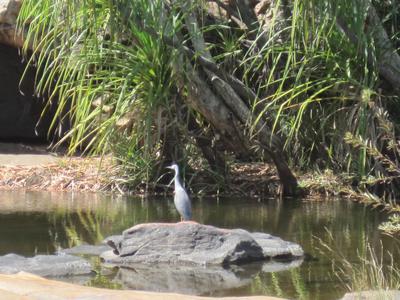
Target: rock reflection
(194, 280)
(278, 266)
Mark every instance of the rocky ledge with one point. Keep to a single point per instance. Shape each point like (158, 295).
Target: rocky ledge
(9, 10)
(191, 243)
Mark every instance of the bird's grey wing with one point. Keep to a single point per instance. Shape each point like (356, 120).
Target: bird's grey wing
(182, 203)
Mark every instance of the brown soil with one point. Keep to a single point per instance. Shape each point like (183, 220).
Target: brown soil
(37, 172)
(83, 174)
(255, 179)
(33, 167)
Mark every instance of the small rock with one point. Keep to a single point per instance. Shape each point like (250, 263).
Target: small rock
(276, 247)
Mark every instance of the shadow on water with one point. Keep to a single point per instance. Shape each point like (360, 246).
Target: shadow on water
(42, 222)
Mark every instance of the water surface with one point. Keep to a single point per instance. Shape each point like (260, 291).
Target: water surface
(42, 222)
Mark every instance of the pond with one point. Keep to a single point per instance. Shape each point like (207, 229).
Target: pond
(42, 222)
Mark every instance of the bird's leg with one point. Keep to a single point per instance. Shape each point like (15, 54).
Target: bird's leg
(181, 219)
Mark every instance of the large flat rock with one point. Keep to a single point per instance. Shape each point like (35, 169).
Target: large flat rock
(185, 279)
(45, 265)
(191, 243)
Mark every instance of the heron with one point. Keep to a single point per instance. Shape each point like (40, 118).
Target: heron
(181, 197)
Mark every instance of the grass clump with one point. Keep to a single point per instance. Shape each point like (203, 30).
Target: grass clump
(392, 226)
(374, 270)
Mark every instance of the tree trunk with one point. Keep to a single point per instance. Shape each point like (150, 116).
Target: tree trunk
(222, 99)
(231, 119)
(223, 103)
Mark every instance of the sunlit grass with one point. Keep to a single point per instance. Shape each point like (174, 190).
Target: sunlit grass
(374, 269)
(392, 226)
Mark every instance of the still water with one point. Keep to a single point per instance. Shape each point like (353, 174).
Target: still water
(42, 222)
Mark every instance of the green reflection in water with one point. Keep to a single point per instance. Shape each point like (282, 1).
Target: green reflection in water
(40, 222)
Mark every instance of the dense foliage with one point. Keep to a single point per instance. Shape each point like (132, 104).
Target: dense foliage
(322, 76)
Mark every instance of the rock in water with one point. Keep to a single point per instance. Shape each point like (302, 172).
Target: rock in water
(92, 250)
(45, 265)
(196, 244)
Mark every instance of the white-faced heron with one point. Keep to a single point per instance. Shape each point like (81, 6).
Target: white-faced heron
(181, 197)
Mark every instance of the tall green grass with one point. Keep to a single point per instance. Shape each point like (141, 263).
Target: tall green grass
(375, 269)
(111, 78)
(320, 87)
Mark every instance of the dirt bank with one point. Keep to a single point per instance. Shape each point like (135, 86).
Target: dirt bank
(34, 167)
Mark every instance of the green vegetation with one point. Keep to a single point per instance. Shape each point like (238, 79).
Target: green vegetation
(375, 268)
(209, 84)
(276, 284)
(392, 226)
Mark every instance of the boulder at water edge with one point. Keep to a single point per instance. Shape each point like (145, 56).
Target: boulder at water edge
(195, 244)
